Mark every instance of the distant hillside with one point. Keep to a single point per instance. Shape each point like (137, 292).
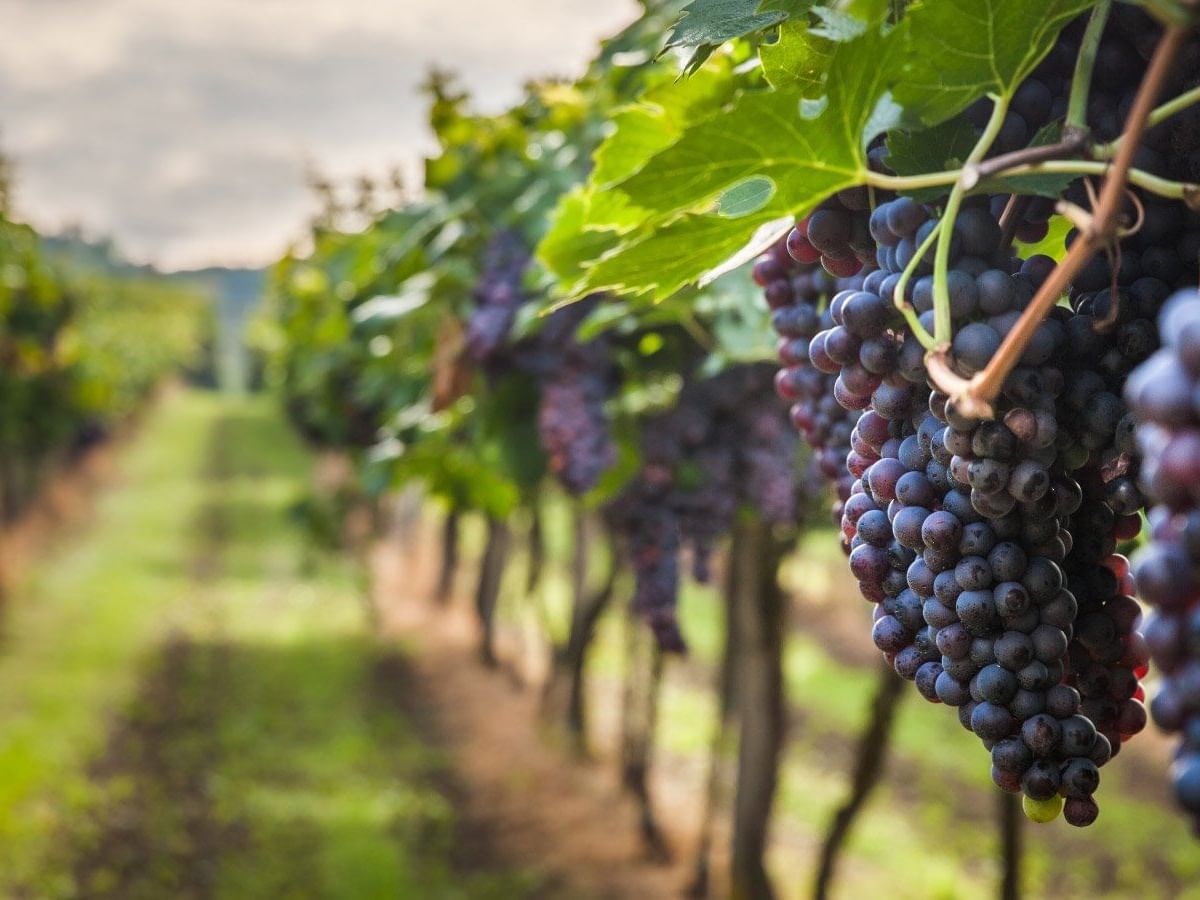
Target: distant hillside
(239, 287)
(236, 295)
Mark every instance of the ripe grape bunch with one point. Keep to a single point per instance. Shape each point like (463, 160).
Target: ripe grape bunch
(796, 293)
(1164, 392)
(726, 441)
(497, 296)
(576, 378)
(990, 548)
(963, 532)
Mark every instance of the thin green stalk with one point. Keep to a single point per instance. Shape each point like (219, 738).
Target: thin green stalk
(1172, 190)
(898, 294)
(1081, 83)
(1161, 113)
(942, 326)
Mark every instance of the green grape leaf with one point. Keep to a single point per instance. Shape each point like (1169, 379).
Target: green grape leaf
(767, 134)
(838, 24)
(707, 24)
(963, 49)
(1043, 185)
(797, 58)
(586, 225)
(940, 148)
(936, 149)
(805, 150)
(639, 133)
(1047, 185)
(1050, 133)
(746, 197)
(664, 259)
(765, 235)
(658, 120)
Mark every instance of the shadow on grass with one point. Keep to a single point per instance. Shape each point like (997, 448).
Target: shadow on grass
(290, 770)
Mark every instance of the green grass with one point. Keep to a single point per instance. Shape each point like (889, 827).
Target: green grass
(240, 662)
(77, 634)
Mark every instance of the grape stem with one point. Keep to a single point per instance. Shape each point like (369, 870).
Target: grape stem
(901, 290)
(1161, 113)
(974, 397)
(1072, 144)
(1081, 83)
(943, 328)
(1171, 190)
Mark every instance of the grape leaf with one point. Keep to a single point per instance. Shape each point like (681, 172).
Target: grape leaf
(805, 150)
(658, 119)
(1044, 185)
(797, 58)
(918, 151)
(936, 149)
(765, 134)
(746, 197)
(707, 24)
(838, 24)
(640, 132)
(586, 225)
(964, 49)
(663, 260)
(764, 236)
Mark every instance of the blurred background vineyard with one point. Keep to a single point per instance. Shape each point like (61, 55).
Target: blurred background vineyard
(234, 660)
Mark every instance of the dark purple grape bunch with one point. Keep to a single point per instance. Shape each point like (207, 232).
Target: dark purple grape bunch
(726, 442)
(959, 529)
(797, 294)
(1108, 656)
(575, 379)
(498, 295)
(836, 234)
(573, 426)
(1163, 393)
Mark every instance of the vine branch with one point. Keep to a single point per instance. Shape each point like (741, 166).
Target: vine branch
(1072, 144)
(975, 396)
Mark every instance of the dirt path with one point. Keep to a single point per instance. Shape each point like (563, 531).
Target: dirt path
(517, 792)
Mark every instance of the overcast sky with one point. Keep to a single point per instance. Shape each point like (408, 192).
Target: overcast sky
(182, 128)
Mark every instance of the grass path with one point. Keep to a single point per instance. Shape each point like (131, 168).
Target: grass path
(193, 705)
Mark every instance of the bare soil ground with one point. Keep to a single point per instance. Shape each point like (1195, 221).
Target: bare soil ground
(516, 792)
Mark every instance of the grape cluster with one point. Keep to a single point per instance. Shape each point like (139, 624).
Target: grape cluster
(796, 292)
(1163, 393)
(576, 379)
(726, 441)
(498, 295)
(1118, 295)
(573, 426)
(836, 234)
(962, 532)
(990, 549)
